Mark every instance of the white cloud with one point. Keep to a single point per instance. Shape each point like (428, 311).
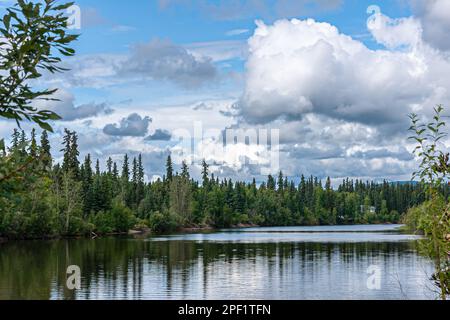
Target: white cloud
(297, 67)
(395, 33)
(64, 106)
(435, 18)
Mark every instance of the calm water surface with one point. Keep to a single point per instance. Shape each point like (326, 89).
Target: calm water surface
(255, 263)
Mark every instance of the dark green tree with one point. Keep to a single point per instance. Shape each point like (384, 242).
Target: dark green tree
(45, 152)
(169, 168)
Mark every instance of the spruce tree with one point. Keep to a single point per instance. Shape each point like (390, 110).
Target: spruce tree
(74, 153)
(109, 165)
(115, 172)
(66, 151)
(271, 183)
(280, 182)
(87, 181)
(33, 147)
(23, 144)
(169, 168)
(15, 141)
(45, 152)
(205, 174)
(125, 183)
(140, 181)
(125, 169)
(185, 170)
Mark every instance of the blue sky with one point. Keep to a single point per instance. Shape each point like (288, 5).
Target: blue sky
(338, 87)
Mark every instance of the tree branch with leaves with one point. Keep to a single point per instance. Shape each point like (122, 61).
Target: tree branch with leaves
(34, 38)
(434, 219)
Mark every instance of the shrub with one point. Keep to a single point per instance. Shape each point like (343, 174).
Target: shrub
(119, 219)
(166, 221)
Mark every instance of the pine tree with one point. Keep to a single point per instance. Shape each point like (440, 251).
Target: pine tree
(140, 181)
(134, 184)
(71, 163)
(74, 153)
(97, 168)
(109, 165)
(86, 185)
(185, 170)
(280, 182)
(115, 172)
(271, 183)
(99, 199)
(205, 174)
(115, 188)
(23, 144)
(125, 170)
(169, 168)
(45, 152)
(33, 148)
(66, 165)
(15, 141)
(134, 173)
(125, 183)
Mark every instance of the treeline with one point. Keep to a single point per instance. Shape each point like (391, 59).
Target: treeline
(41, 199)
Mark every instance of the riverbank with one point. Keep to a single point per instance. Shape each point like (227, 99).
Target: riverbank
(147, 231)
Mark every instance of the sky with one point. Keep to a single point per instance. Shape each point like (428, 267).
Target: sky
(330, 82)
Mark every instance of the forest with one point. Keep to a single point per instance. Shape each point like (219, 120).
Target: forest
(41, 199)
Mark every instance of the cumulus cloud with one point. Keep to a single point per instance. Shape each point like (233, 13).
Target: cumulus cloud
(435, 18)
(163, 60)
(302, 66)
(159, 135)
(65, 107)
(132, 126)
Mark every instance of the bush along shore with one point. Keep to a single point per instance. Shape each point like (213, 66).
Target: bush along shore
(43, 199)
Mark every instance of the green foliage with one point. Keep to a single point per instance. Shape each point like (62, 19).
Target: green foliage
(166, 221)
(33, 39)
(119, 219)
(433, 217)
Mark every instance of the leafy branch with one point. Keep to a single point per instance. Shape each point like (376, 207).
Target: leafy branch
(34, 39)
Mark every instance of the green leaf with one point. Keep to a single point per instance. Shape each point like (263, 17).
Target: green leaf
(45, 126)
(7, 21)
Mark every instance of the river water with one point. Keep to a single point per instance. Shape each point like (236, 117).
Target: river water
(335, 262)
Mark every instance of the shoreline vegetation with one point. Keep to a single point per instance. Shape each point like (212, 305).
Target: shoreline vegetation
(42, 199)
(182, 230)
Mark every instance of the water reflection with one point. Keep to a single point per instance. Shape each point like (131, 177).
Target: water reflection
(181, 267)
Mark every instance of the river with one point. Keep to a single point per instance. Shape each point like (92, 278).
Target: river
(335, 262)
